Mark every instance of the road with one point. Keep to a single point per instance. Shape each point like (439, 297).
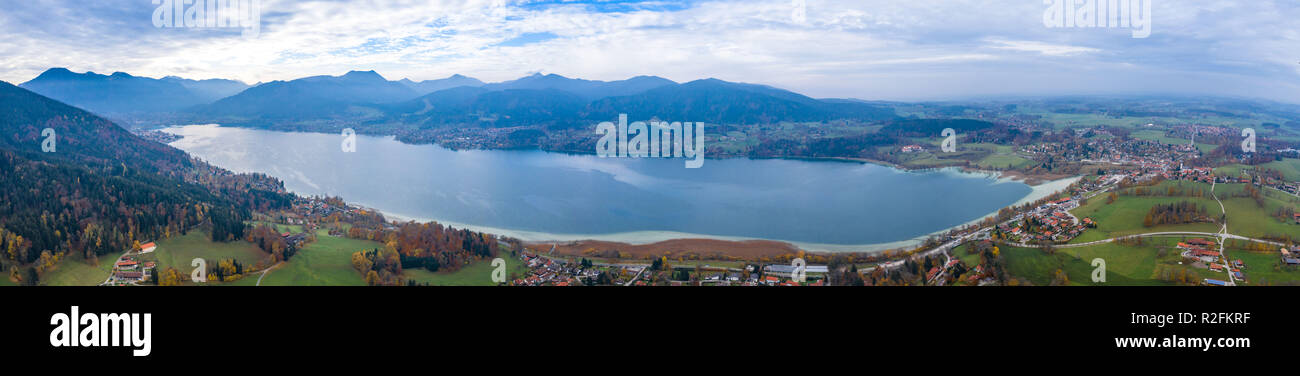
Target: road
(1111, 183)
(1223, 233)
(112, 272)
(1154, 234)
(267, 270)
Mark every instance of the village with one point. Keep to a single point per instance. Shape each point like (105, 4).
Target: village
(131, 270)
(546, 270)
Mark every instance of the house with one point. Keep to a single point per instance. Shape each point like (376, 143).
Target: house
(129, 275)
(148, 247)
(127, 265)
(787, 271)
(1216, 267)
(913, 148)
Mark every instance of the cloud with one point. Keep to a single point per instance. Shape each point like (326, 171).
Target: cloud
(875, 49)
(1040, 47)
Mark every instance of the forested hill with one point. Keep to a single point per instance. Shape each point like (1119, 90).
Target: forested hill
(79, 135)
(102, 188)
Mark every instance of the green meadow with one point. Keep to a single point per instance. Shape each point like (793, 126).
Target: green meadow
(180, 251)
(78, 272)
(325, 262)
(478, 273)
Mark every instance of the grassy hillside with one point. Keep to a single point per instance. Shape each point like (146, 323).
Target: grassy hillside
(179, 251)
(325, 262)
(1289, 167)
(477, 274)
(77, 272)
(1125, 215)
(1126, 265)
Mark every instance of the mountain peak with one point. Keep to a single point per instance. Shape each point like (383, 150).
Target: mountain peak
(58, 73)
(367, 75)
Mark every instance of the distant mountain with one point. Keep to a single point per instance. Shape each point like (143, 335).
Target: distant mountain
(550, 101)
(429, 86)
(353, 95)
(210, 90)
(115, 93)
(482, 107)
(587, 89)
(721, 102)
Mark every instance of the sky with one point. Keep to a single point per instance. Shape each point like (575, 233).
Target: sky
(870, 49)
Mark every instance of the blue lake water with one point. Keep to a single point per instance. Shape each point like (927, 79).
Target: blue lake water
(544, 194)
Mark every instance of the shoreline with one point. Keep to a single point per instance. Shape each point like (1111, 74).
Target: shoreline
(1039, 188)
(1013, 174)
(650, 238)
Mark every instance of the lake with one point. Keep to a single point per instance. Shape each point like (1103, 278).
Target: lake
(536, 195)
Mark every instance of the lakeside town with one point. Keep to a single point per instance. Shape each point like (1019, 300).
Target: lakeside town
(1117, 165)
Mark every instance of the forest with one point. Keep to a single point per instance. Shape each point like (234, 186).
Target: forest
(430, 246)
(102, 188)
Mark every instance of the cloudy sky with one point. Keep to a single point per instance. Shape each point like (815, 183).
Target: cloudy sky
(870, 49)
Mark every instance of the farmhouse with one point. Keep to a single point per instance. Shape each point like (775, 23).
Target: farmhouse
(127, 264)
(125, 275)
(148, 247)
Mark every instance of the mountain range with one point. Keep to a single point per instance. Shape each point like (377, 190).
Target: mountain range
(366, 97)
(429, 86)
(118, 92)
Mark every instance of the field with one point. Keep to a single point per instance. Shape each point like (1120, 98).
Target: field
(1126, 214)
(984, 156)
(76, 272)
(1245, 217)
(1148, 264)
(1159, 136)
(178, 251)
(478, 273)
(1263, 269)
(278, 226)
(1094, 119)
(325, 262)
(1289, 167)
